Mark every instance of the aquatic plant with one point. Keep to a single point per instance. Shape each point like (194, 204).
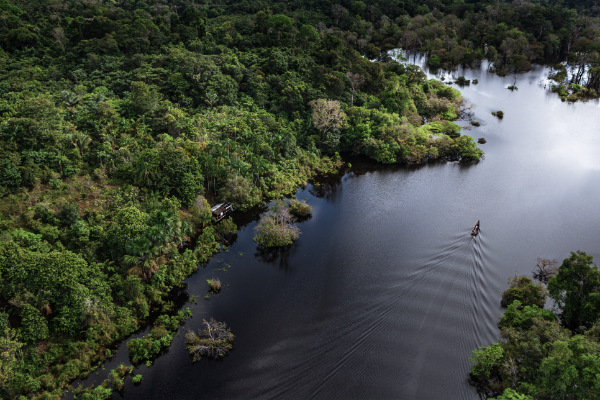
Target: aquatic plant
(117, 376)
(214, 284)
(137, 379)
(299, 208)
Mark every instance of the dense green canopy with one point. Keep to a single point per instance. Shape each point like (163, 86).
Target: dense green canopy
(121, 120)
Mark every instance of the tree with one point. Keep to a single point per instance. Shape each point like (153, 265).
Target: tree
(571, 370)
(523, 289)
(144, 98)
(214, 340)
(328, 117)
(239, 191)
(281, 27)
(576, 291)
(485, 359)
(356, 81)
(308, 35)
(34, 325)
(276, 227)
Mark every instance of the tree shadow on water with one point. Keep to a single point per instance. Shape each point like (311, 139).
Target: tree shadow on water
(326, 189)
(276, 255)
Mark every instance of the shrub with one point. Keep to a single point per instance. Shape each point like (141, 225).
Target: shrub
(98, 393)
(116, 376)
(137, 379)
(147, 348)
(299, 208)
(276, 227)
(214, 284)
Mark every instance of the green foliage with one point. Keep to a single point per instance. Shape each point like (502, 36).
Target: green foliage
(144, 98)
(485, 359)
(240, 192)
(147, 348)
(537, 358)
(137, 379)
(299, 208)
(576, 291)
(34, 326)
(276, 227)
(510, 394)
(523, 289)
(98, 393)
(522, 317)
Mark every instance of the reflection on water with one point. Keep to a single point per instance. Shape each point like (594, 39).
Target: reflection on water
(385, 293)
(275, 255)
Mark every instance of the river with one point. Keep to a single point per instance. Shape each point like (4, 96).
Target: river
(385, 294)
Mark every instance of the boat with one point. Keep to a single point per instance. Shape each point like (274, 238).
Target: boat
(475, 230)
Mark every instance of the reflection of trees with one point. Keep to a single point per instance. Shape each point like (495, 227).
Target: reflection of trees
(326, 188)
(230, 239)
(280, 255)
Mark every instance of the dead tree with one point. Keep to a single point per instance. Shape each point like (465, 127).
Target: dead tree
(546, 269)
(213, 341)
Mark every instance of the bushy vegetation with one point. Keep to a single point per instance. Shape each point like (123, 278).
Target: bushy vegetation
(546, 354)
(120, 121)
(137, 379)
(146, 348)
(299, 208)
(276, 227)
(214, 285)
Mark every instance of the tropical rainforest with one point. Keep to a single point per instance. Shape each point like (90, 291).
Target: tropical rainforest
(546, 354)
(121, 121)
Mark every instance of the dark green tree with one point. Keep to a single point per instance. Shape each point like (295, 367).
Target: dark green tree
(576, 291)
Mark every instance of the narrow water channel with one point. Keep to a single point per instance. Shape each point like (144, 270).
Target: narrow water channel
(385, 294)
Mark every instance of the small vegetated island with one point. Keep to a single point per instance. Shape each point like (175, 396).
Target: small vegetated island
(118, 120)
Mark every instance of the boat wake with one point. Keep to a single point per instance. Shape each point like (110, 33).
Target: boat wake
(395, 327)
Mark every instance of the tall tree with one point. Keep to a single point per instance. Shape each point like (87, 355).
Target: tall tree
(576, 291)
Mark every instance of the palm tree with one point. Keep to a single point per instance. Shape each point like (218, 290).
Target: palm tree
(81, 141)
(142, 258)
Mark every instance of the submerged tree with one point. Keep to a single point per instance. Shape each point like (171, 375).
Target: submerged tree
(214, 340)
(276, 227)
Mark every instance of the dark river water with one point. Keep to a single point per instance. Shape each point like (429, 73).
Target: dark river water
(385, 294)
